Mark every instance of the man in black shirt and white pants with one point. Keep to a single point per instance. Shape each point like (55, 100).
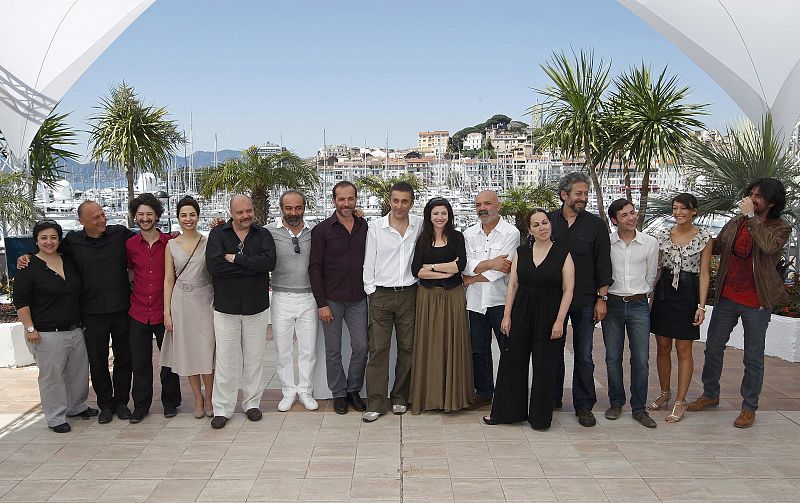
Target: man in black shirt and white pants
(586, 237)
(239, 257)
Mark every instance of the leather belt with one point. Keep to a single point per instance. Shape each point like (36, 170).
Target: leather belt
(629, 298)
(64, 328)
(395, 288)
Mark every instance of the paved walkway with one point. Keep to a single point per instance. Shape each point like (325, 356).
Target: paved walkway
(322, 456)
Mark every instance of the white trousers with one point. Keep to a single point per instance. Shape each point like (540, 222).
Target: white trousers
(63, 374)
(241, 343)
(295, 315)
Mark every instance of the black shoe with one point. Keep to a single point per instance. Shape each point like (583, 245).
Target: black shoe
(61, 428)
(123, 412)
(585, 417)
(557, 404)
(490, 420)
(253, 414)
(106, 416)
(356, 401)
(644, 419)
(86, 414)
(614, 412)
(340, 405)
(170, 411)
(219, 422)
(137, 416)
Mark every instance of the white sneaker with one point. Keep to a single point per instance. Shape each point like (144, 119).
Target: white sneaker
(398, 409)
(369, 417)
(286, 402)
(308, 401)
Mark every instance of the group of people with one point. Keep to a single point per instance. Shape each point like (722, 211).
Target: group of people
(440, 292)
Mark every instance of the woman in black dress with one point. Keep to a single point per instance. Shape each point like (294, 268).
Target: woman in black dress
(538, 298)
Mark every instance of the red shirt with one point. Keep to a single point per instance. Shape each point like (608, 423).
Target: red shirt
(740, 285)
(147, 264)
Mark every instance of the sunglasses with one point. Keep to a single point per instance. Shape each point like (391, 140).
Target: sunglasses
(241, 248)
(296, 244)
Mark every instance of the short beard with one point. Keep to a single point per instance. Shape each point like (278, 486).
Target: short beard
(293, 221)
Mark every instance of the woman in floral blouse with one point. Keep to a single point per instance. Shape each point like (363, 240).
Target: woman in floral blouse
(679, 300)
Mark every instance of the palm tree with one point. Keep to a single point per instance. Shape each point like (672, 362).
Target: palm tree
(722, 170)
(258, 176)
(653, 122)
(45, 157)
(130, 136)
(16, 208)
(381, 188)
(573, 111)
(519, 201)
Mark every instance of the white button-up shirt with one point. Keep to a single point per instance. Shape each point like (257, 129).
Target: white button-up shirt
(389, 255)
(503, 240)
(633, 266)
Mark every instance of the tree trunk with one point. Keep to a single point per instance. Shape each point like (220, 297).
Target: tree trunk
(598, 191)
(645, 193)
(129, 167)
(260, 199)
(626, 171)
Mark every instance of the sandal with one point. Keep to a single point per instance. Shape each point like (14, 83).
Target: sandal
(674, 417)
(660, 401)
(490, 420)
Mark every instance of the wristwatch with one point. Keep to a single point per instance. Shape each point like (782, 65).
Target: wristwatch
(30, 329)
(602, 297)
(433, 267)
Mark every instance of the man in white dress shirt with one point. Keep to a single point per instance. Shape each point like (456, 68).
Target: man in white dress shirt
(634, 264)
(491, 244)
(294, 310)
(392, 291)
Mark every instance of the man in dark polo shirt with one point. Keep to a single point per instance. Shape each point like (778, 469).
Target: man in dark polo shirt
(335, 269)
(239, 257)
(586, 236)
(145, 253)
(99, 253)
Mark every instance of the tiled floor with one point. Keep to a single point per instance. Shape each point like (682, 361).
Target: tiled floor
(321, 456)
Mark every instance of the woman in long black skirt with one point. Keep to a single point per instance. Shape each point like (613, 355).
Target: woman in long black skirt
(540, 291)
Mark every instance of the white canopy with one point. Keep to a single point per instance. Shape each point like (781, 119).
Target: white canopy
(45, 46)
(749, 47)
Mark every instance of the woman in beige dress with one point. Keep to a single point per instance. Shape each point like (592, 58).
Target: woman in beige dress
(188, 313)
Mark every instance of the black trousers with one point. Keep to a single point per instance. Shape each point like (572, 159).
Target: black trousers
(98, 328)
(141, 343)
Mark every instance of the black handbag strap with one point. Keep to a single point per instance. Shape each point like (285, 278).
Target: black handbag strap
(178, 275)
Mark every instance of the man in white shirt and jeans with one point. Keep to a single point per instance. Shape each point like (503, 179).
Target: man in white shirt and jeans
(491, 244)
(634, 264)
(392, 291)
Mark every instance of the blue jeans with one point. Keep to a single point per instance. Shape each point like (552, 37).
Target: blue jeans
(481, 327)
(635, 317)
(724, 318)
(583, 392)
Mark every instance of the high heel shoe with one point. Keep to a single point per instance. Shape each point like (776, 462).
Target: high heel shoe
(490, 420)
(678, 410)
(661, 401)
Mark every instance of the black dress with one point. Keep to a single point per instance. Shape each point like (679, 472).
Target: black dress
(534, 311)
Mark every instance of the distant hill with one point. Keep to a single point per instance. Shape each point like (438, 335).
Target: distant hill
(82, 175)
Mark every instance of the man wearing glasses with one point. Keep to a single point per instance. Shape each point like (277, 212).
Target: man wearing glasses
(239, 257)
(749, 287)
(294, 310)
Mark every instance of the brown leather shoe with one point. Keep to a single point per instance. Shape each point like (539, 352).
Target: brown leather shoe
(702, 403)
(478, 401)
(746, 419)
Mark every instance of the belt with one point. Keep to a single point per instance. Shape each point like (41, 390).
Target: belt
(395, 288)
(63, 328)
(188, 287)
(629, 298)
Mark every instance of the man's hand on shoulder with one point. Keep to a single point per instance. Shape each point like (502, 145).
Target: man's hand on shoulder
(23, 261)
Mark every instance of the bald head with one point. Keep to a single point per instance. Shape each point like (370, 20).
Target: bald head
(93, 218)
(242, 212)
(487, 206)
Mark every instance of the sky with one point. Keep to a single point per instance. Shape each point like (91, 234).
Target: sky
(258, 71)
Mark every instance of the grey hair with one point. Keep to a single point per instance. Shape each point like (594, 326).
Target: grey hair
(570, 179)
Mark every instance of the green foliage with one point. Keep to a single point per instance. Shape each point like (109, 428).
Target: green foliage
(381, 188)
(456, 141)
(16, 208)
(573, 111)
(45, 157)
(130, 136)
(519, 201)
(721, 171)
(258, 176)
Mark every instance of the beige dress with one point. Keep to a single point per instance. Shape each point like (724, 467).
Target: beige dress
(189, 348)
